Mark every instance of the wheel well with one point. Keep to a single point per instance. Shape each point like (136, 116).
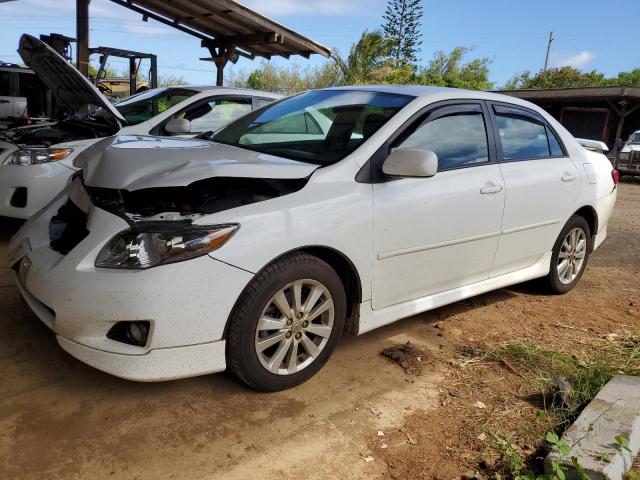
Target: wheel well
(590, 215)
(349, 277)
(348, 274)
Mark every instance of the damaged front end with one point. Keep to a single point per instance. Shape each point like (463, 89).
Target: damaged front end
(190, 202)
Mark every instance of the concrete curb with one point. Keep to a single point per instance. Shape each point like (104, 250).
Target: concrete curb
(614, 411)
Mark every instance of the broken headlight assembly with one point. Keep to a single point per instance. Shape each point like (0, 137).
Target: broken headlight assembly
(35, 156)
(151, 244)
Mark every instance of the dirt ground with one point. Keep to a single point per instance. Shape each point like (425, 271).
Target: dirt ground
(361, 417)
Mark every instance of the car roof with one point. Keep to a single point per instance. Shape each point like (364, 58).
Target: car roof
(430, 93)
(227, 90)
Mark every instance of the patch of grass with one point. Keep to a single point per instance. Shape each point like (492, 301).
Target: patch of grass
(541, 368)
(585, 376)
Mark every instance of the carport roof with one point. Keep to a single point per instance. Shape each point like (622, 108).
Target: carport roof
(228, 24)
(604, 93)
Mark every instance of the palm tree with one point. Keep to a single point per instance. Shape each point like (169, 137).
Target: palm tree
(368, 60)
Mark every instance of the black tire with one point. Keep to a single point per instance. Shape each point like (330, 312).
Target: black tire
(242, 358)
(552, 281)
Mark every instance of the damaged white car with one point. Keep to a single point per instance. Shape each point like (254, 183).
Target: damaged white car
(256, 250)
(37, 161)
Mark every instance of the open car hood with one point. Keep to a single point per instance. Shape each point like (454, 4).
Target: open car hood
(140, 162)
(66, 83)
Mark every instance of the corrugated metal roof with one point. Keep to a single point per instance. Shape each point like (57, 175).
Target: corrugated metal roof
(226, 23)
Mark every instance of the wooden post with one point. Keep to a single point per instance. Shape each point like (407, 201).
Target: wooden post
(82, 35)
(618, 141)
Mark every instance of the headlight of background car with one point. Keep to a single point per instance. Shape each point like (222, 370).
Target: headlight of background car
(157, 243)
(34, 156)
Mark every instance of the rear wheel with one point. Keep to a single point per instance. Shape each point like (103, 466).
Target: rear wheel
(570, 255)
(286, 323)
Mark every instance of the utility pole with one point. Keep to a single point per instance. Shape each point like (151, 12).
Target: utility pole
(546, 61)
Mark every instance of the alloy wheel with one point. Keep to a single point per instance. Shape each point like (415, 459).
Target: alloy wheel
(294, 327)
(573, 252)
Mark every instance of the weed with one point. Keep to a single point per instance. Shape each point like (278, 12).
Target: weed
(543, 367)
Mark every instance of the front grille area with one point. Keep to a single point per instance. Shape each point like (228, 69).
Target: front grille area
(67, 228)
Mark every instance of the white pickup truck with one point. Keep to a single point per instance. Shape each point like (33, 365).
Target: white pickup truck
(629, 159)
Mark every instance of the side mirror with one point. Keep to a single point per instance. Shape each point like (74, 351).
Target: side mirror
(178, 125)
(411, 163)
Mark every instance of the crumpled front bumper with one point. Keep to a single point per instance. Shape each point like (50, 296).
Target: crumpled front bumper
(187, 303)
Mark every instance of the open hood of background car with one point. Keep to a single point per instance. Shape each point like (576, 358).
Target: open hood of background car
(66, 83)
(139, 162)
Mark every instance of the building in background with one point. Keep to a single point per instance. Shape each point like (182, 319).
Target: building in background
(608, 114)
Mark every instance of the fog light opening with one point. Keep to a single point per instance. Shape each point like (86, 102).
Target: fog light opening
(131, 333)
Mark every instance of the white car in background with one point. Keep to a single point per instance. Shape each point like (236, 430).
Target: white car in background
(629, 159)
(257, 249)
(37, 161)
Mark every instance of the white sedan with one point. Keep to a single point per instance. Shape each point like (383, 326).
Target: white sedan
(256, 250)
(37, 161)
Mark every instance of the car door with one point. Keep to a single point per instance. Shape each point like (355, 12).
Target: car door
(436, 234)
(541, 182)
(6, 95)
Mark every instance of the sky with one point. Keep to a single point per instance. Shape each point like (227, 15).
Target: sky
(589, 34)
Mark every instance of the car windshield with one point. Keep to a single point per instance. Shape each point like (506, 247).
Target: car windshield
(320, 127)
(635, 138)
(146, 105)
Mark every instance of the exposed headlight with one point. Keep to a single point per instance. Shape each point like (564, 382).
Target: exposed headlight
(34, 156)
(157, 243)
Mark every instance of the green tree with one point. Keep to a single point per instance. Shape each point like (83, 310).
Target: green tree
(287, 80)
(402, 22)
(626, 79)
(562, 77)
(449, 70)
(367, 61)
(171, 80)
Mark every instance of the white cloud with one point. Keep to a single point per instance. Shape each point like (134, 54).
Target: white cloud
(283, 8)
(577, 60)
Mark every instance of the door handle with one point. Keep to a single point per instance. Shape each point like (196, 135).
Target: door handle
(567, 177)
(4, 101)
(490, 188)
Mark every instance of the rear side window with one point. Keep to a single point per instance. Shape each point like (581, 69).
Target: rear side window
(554, 144)
(524, 137)
(5, 84)
(458, 140)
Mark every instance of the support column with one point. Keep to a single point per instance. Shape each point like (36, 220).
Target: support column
(618, 141)
(133, 76)
(220, 55)
(82, 35)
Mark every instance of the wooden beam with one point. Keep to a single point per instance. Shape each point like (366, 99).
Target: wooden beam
(252, 15)
(241, 40)
(82, 34)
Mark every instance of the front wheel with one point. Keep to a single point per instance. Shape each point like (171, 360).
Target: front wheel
(286, 323)
(570, 255)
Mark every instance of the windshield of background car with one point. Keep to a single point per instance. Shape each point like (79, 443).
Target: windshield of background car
(143, 106)
(635, 138)
(319, 127)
